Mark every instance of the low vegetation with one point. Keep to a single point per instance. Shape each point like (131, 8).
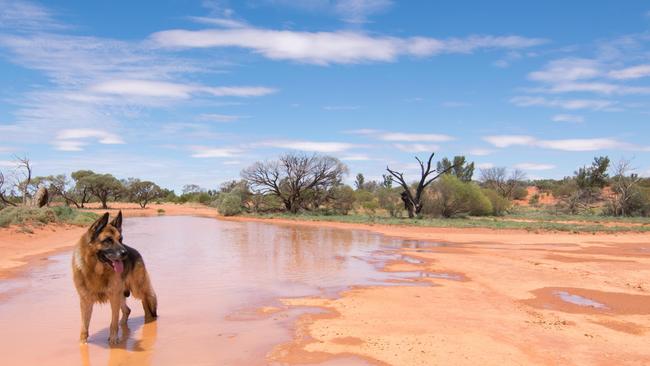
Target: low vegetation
(44, 215)
(597, 197)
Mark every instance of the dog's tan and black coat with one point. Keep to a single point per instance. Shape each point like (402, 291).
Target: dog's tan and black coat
(106, 270)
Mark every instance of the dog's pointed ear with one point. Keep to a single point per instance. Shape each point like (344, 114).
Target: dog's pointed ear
(98, 226)
(117, 221)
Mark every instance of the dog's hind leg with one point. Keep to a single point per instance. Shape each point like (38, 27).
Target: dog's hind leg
(86, 313)
(150, 306)
(126, 311)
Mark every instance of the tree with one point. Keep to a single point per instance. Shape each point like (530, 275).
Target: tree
(59, 186)
(25, 183)
(4, 200)
(103, 186)
(591, 180)
(143, 192)
(192, 188)
(453, 197)
(459, 168)
(413, 201)
(498, 180)
(343, 199)
(387, 181)
(628, 198)
(292, 175)
(82, 188)
(359, 181)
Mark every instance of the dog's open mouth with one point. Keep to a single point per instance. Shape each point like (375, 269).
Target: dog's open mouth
(118, 266)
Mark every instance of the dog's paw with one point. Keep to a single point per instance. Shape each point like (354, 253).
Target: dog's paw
(83, 338)
(113, 340)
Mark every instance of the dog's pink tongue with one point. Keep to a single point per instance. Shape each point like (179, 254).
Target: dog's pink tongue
(118, 266)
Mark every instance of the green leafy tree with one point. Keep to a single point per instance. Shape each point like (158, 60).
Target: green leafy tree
(359, 181)
(82, 189)
(143, 192)
(459, 167)
(104, 187)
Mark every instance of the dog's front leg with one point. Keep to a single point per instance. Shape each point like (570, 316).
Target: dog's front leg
(116, 304)
(86, 312)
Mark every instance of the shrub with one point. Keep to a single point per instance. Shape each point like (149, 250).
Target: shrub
(534, 199)
(44, 215)
(500, 204)
(519, 193)
(389, 200)
(230, 204)
(452, 197)
(343, 199)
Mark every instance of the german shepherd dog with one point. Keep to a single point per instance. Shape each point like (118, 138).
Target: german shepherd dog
(106, 270)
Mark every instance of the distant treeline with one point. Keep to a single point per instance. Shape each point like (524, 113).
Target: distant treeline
(300, 182)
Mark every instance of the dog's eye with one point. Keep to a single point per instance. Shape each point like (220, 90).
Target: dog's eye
(107, 241)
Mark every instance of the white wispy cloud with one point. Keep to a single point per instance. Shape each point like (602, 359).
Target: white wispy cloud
(414, 137)
(484, 165)
(214, 152)
(569, 104)
(591, 144)
(417, 147)
(480, 152)
(310, 146)
(568, 69)
(154, 88)
(26, 15)
(220, 117)
(358, 11)
(633, 72)
(509, 140)
(534, 166)
(324, 48)
(568, 118)
(76, 139)
(356, 158)
(350, 11)
(220, 22)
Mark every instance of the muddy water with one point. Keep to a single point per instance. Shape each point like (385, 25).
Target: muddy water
(217, 282)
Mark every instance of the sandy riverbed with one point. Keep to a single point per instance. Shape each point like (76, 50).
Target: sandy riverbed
(487, 297)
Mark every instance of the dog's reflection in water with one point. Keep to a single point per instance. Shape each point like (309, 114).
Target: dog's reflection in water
(128, 351)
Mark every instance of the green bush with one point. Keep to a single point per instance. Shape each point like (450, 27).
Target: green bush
(519, 193)
(230, 204)
(389, 200)
(451, 197)
(44, 215)
(500, 204)
(343, 198)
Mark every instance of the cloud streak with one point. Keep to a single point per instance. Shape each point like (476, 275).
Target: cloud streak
(338, 47)
(591, 144)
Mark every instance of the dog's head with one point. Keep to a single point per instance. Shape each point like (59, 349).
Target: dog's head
(106, 241)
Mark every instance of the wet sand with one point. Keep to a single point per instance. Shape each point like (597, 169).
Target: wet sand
(460, 296)
(218, 284)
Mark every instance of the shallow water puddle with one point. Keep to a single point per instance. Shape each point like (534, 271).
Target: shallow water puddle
(579, 300)
(217, 282)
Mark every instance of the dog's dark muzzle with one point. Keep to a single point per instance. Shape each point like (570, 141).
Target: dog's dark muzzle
(114, 257)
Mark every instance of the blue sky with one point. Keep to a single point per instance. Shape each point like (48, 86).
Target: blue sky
(192, 92)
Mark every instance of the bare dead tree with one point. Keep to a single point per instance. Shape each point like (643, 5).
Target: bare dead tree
(3, 191)
(625, 198)
(291, 176)
(497, 179)
(23, 163)
(413, 201)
